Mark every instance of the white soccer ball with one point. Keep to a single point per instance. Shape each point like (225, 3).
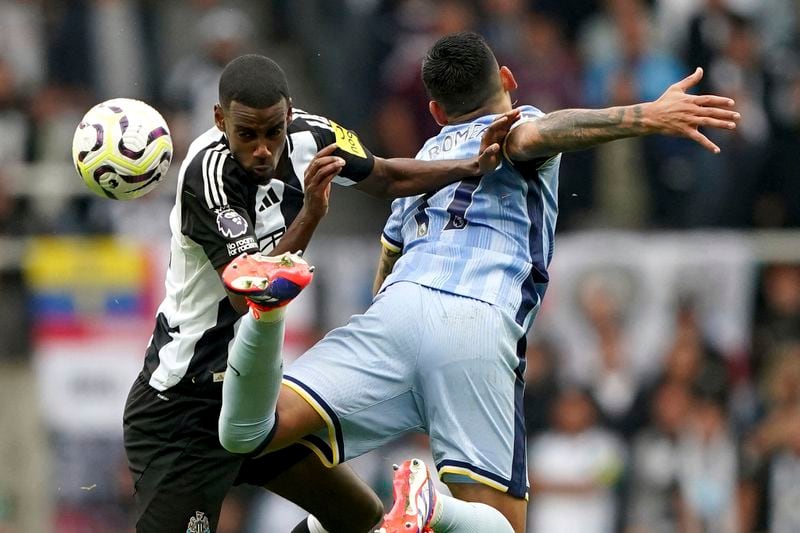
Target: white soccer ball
(122, 148)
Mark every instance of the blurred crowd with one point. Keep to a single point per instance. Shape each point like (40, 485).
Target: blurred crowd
(709, 441)
(358, 61)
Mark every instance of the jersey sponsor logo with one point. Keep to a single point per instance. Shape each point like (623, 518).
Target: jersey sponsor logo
(198, 523)
(348, 141)
(230, 223)
(240, 246)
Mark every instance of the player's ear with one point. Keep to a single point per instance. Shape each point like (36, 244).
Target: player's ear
(288, 110)
(438, 113)
(219, 117)
(507, 80)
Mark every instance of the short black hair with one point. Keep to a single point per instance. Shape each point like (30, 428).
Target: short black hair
(460, 72)
(253, 80)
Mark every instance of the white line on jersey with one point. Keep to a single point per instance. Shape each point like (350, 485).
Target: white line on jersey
(315, 120)
(213, 161)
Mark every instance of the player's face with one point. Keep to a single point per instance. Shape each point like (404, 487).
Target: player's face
(256, 137)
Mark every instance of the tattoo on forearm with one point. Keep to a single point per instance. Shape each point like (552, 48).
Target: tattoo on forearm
(637, 116)
(573, 129)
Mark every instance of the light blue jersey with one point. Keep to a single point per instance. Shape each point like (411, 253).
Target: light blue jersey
(442, 347)
(488, 238)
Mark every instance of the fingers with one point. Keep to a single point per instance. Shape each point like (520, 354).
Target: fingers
(714, 118)
(712, 100)
(703, 141)
(715, 112)
(502, 124)
(328, 150)
(328, 169)
(491, 150)
(715, 123)
(691, 80)
(323, 164)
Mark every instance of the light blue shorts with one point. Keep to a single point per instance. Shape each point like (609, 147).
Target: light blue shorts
(427, 361)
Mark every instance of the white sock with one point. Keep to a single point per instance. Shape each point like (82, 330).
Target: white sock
(457, 516)
(252, 382)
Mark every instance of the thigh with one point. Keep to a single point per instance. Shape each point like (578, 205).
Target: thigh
(470, 376)
(182, 489)
(180, 473)
(341, 501)
(513, 508)
(359, 378)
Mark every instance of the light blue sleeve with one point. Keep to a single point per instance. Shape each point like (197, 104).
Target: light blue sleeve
(392, 236)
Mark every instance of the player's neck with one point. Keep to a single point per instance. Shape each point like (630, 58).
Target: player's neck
(495, 106)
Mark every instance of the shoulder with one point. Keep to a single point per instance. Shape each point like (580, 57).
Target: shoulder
(304, 121)
(528, 112)
(211, 173)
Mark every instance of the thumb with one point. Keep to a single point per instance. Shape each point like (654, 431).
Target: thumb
(692, 79)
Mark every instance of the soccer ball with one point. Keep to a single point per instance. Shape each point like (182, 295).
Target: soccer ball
(122, 148)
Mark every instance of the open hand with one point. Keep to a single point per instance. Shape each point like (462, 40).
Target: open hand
(317, 180)
(680, 114)
(490, 154)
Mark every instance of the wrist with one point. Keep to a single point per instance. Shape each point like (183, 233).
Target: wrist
(309, 216)
(473, 167)
(646, 118)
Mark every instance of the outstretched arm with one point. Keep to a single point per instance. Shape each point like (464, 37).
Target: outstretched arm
(674, 113)
(394, 178)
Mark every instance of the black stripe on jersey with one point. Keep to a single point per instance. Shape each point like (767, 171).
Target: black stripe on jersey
(211, 351)
(161, 337)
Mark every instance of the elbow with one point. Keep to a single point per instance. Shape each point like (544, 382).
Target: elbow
(395, 189)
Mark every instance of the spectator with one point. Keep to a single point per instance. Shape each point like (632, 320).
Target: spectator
(708, 471)
(191, 87)
(574, 468)
(403, 121)
(653, 504)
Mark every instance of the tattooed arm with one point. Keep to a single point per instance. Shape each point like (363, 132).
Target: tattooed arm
(385, 266)
(674, 113)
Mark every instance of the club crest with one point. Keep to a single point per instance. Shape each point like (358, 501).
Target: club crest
(230, 223)
(198, 523)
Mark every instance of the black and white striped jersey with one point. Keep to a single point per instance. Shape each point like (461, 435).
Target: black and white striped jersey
(219, 213)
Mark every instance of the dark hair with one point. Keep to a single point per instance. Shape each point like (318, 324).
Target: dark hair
(253, 80)
(460, 72)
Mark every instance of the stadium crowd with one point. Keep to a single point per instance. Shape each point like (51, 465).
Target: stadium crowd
(707, 441)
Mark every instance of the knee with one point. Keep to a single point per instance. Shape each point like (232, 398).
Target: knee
(247, 440)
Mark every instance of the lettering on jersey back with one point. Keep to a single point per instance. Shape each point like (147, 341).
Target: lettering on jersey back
(348, 141)
(454, 139)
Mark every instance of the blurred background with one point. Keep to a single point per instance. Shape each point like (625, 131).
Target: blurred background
(663, 378)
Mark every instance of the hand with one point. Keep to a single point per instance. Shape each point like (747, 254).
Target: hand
(490, 155)
(317, 179)
(680, 114)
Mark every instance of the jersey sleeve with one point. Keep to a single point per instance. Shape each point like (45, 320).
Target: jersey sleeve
(214, 211)
(528, 114)
(392, 236)
(358, 160)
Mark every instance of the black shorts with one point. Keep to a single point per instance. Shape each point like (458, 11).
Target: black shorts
(180, 471)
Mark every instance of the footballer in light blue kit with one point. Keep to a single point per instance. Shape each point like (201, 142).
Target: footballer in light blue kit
(441, 349)
(462, 275)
